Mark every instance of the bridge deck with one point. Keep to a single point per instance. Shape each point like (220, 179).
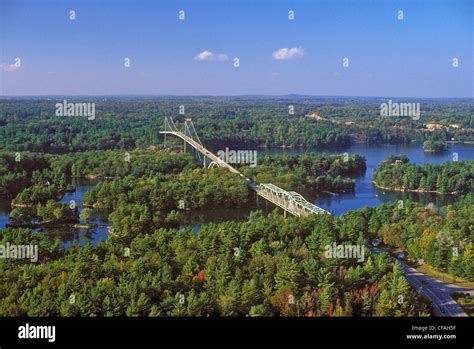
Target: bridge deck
(292, 202)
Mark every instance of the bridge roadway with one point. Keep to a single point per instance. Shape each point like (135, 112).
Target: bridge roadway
(289, 201)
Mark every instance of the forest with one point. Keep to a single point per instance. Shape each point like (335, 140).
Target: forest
(154, 181)
(142, 200)
(442, 238)
(198, 188)
(451, 177)
(301, 172)
(266, 266)
(36, 181)
(29, 124)
(46, 175)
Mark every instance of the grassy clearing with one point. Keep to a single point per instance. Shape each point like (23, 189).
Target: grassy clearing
(456, 280)
(466, 302)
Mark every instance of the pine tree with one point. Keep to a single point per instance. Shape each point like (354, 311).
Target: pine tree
(468, 261)
(286, 275)
(250, 293)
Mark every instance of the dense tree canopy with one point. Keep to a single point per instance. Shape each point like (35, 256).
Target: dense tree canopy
(298, 173)
(435, 146)
(449, 177)
(36, 179)
(290, 121)
(267, 266)
(441, 238)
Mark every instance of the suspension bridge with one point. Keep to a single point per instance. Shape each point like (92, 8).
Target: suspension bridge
(289, 201)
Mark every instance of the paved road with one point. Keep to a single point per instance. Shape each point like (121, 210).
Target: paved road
(438, 292)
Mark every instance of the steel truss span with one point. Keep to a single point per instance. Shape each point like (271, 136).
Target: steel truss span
(290, 201)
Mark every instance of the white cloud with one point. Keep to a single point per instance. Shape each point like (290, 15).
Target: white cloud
(210, 56)
(285, 53)
(8, 67)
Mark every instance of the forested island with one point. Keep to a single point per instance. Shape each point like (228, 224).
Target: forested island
(153, 184)
(34, 182)
(299, 172)
(451, 177)
(45, 176)
(435, 146)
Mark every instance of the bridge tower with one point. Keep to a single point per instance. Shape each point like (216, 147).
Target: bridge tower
(189, 130)
(169, 126)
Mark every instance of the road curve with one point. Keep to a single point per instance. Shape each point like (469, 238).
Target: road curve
(438, 292)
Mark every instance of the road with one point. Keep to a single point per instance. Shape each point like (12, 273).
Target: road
(438, 292)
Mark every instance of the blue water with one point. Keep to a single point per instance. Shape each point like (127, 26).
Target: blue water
(99, 217)
(365, 193)
(69, 233)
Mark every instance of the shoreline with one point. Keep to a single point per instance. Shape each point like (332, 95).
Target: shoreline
(414, 190)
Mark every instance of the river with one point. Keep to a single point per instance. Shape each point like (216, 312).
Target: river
(365, 193)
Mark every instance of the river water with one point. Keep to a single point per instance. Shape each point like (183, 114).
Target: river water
(365, 193)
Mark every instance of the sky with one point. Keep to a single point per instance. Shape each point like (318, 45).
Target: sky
(387, 56)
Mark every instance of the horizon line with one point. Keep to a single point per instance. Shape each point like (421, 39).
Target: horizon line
(224, 96)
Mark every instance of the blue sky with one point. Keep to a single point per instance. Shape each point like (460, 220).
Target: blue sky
(387, 57)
